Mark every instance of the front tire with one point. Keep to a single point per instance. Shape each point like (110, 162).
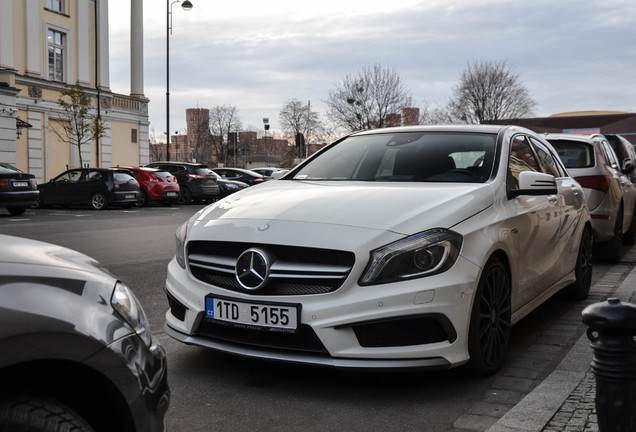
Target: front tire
(98, 201)
(39, 414)
(489, 331)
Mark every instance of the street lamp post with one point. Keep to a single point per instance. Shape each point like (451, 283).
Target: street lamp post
(186, 5)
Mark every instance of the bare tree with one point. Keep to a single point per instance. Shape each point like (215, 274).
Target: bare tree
(80, 126)
(223, 119)
(362, 101)
(489, 91)
(296, 117)
(157, 148)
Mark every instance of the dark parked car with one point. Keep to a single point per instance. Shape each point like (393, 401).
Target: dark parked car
(196, 181)
(246, 176)
(268, 171)
(155, 184)
(95, 187)
(77, 352)
(18, 190)
(228, 187)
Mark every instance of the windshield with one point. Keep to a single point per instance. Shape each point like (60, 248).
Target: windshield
(407, 157)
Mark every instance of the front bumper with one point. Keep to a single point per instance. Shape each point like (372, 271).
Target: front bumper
(338, 321)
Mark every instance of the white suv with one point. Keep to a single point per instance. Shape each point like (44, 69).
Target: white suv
(610, 194)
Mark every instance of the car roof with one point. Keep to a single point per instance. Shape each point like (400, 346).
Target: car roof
(442, 128)
(590, 139)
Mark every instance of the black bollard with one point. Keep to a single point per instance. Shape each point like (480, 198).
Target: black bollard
(612, 332)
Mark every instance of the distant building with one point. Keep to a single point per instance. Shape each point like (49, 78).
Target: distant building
(583, 122)
(47, 45)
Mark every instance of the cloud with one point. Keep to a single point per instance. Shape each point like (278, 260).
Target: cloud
(571, 55)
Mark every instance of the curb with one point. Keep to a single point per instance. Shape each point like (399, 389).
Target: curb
(536, 409)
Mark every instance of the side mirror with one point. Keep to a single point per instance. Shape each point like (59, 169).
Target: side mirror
(535, 183)
(628, 166)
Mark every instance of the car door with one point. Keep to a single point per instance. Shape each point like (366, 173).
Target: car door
(536, 222)
(61, 190)
(571, 205)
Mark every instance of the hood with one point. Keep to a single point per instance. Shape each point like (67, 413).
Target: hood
(24, 251)
(403, 208)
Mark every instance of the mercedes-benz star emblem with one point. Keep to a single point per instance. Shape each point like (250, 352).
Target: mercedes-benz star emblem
(252, 269)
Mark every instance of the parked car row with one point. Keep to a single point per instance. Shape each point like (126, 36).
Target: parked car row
(123, 186)
(609, 183)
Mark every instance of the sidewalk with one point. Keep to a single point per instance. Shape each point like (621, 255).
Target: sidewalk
(564, 400)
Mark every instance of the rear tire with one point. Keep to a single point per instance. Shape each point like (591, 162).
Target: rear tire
(629, 238)
(611, 250)
(185, 196)
(143, 199)
(489, 331)
(583, 271)
(17, 211)
(98, 201)
(39, 414)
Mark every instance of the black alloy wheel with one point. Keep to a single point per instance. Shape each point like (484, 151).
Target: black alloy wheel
(143, 199)
(489, 331)
(583, 271)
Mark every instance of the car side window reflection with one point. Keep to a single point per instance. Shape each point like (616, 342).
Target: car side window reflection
(546, 159)
(521, 159)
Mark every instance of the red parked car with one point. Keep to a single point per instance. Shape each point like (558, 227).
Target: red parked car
(156, 185)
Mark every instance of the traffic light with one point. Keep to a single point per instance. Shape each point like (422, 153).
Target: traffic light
(300, 143)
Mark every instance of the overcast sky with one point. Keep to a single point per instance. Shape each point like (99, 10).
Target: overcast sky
(572, 55)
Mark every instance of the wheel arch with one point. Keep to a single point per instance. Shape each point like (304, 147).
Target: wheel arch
(81, 388)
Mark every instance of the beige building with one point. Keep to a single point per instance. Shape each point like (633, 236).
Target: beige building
(47, 45)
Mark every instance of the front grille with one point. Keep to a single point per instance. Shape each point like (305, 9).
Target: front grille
(293, 270)
(406, 331)
(304, 340)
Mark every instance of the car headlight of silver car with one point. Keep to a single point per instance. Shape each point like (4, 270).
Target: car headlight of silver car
(180, 237)
(129, 308)
(424, 254)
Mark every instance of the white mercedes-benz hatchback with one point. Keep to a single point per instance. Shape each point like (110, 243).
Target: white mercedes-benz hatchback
(411, 247)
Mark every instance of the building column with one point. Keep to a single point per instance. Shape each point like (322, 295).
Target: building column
(104, 65)
(6, 36)
(33, 41)
(136, 48)
(83, 57)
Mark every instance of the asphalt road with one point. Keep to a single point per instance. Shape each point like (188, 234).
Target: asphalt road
(214, 392)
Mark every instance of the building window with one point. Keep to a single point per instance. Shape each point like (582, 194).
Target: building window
(56, 5)
(133, 135)
(57, 51)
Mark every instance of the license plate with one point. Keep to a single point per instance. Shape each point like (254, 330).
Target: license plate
(260, 316)
(21, 184)
(129, 196)
(171, 194)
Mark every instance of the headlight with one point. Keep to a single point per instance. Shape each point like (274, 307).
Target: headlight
(129, 308)
(419, 255)
(180, 236)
